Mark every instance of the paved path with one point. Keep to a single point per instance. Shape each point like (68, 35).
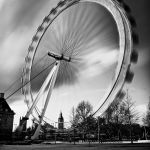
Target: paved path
(142, 146)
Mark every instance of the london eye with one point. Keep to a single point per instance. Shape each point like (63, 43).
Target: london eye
(82, 46)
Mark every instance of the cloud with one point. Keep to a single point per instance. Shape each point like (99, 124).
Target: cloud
(1, 3)
(99, 61)
(143, 57)
(18, 13)
(13, 51)
(19, 20)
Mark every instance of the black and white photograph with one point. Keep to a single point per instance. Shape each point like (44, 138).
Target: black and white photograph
(74, 74)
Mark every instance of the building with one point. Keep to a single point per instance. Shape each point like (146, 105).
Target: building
(23, 123)
(6, 119)
(61, 122)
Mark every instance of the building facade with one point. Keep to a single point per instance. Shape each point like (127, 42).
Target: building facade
(6, 119)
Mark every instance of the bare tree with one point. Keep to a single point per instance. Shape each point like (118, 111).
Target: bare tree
(73, 118)
(122, 111)
(83, 110)
(81, 117)
(130, 114)
(146, 118)
(115, 115)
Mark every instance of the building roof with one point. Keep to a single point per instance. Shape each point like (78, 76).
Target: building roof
(4, 107)
(61, 116)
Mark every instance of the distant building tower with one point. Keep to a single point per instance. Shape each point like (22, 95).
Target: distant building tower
(60, 122)
(6, 119)
(23, 123)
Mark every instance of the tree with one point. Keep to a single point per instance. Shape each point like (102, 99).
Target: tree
(73, 118)
(130, 115)
(122, 111)
(81, 118)
(78, 115)
(83, 110)
(146, 119)
(114, 118)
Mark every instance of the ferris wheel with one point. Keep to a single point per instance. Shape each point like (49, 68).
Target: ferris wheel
(65, 45)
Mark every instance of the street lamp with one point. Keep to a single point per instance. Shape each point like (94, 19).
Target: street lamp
(98, 130)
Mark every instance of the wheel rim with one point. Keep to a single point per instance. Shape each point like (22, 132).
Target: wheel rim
(125, 42)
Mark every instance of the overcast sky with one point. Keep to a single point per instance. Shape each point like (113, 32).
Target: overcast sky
(19, 21)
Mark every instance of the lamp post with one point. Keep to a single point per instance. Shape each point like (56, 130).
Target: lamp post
(55, 132)
(98, 130)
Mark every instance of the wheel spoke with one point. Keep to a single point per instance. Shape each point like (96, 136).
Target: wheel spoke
(51, 86)
(46, 82)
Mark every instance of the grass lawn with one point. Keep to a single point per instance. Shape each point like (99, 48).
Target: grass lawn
(141, 146)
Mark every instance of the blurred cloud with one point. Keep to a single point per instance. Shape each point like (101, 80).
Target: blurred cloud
(19, 20)
(16, 14)
(1, 3)
(144, 57)
(141, 13)
(98, 62)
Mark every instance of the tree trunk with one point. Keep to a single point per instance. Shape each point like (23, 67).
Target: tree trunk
(131, 134)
